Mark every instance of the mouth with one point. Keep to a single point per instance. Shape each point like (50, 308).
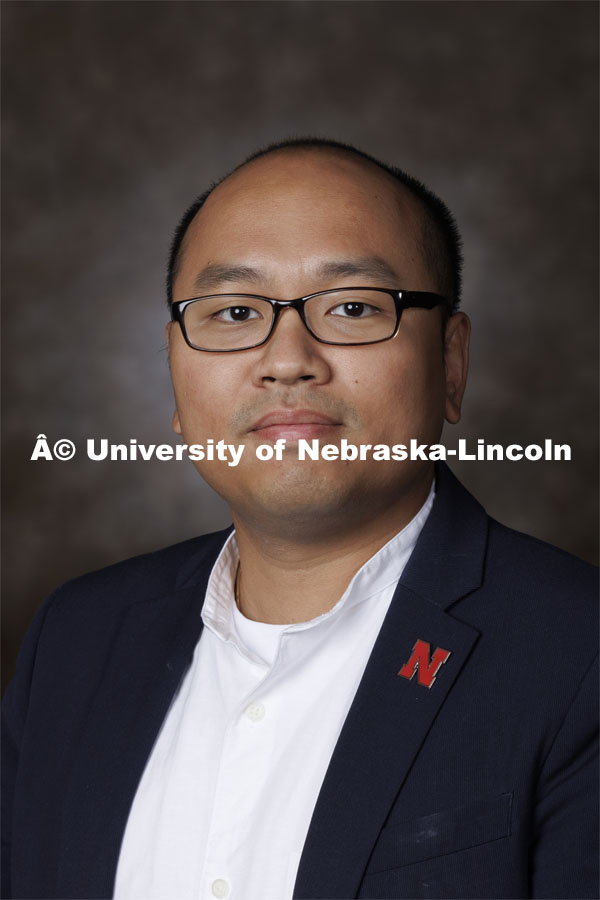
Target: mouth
(294, 424)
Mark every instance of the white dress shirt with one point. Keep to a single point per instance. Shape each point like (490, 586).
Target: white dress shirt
(226, 798)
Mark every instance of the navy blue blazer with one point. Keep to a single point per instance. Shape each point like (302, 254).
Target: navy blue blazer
(480, 785)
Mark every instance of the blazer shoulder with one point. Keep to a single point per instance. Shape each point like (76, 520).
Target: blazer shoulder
(543, 590)
(143, 577)
(524, 557)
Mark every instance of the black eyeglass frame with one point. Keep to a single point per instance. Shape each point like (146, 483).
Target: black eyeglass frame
(402, 300)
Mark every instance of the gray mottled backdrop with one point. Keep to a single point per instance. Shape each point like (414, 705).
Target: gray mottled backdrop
(117, 113)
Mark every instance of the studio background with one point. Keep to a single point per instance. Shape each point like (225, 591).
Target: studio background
(116, 114)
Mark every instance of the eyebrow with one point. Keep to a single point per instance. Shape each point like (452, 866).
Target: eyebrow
(217, 275)
(371, 267)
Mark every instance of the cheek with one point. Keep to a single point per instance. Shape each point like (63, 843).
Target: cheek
(404, 395)
(202, 395)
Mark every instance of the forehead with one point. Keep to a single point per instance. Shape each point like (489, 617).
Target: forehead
(296, 210)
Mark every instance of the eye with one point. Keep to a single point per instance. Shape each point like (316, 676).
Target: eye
(354, 310)
(236, 314)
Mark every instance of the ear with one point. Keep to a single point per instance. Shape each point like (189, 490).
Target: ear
(175, 423)
(456, 361)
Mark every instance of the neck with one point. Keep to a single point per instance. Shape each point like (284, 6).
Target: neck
(283, 581)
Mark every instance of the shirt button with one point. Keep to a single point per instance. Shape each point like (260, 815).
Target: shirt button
(255, 712)
(220, 888)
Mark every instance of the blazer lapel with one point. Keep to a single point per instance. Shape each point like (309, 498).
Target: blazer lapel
(391, 715)
(152, 651)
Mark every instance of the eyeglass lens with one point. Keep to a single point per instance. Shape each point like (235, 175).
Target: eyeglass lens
(238, 322)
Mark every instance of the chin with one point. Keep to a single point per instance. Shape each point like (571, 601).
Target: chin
(298, 502)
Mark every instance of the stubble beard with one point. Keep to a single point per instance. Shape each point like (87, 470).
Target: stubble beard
(306, 502)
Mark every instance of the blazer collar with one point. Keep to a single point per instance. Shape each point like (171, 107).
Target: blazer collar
(391, 716)
(447, 562)
(151, 653)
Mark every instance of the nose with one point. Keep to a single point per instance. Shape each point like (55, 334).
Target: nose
(291, 354)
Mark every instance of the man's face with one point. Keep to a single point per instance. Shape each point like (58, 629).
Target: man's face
(298, 223)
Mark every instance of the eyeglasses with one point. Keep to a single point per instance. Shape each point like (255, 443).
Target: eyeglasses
(225, 323)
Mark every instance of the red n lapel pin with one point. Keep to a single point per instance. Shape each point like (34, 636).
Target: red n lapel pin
(421, 663)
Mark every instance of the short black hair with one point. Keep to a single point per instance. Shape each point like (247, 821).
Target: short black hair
(440, 239)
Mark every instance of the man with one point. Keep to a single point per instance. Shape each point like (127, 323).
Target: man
(369, 688)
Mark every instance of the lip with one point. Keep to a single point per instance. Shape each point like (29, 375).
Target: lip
(293, 417)
(293, 424)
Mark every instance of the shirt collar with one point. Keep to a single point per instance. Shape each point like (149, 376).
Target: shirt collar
(382, 569)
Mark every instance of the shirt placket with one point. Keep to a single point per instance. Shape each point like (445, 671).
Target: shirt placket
(242, 776)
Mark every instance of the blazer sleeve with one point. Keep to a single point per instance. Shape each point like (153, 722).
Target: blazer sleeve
(564, 855)
(14, 717)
